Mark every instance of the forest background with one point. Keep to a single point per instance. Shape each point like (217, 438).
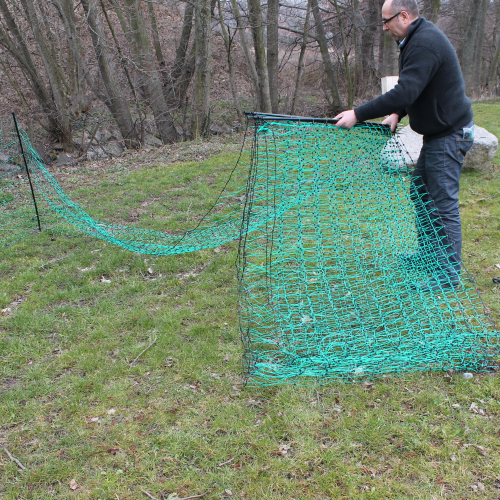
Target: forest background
(136, 72)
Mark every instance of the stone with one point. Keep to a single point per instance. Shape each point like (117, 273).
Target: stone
(220, 129)
(479, 157)
(40, 151)
(152, 140)
(482, 152)
(10, 169)
(113, 148)
(63, 159)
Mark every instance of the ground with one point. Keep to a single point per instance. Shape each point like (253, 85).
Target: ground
(121, 374)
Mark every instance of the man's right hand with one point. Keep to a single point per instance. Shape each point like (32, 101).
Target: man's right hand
(392, 120)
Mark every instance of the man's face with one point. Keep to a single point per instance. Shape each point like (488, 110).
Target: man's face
(397, 27)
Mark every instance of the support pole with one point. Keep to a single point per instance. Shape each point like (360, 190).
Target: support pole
(27, 170)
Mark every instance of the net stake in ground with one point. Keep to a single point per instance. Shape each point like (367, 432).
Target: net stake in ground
(27, 170)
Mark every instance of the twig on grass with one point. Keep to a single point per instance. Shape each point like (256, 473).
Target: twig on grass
(14, 459)
(226, 462)
(52, 262)
(149, 494)
(321, 404)
(177, 498)
(150, 344)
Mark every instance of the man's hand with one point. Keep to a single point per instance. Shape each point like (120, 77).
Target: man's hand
(392, 120)
(346, 119)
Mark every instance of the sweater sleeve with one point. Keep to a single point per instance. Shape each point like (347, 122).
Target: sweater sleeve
(420, 66)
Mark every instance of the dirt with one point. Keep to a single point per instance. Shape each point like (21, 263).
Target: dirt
(10, 383)
(165, 155)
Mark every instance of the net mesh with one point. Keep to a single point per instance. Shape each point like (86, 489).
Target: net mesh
(324, 217)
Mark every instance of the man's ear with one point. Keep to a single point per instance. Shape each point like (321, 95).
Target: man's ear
(404, 15)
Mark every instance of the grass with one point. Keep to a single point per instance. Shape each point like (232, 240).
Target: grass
(121, 372)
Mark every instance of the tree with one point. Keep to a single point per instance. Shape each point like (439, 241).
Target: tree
(303, 47)
(203, 37)
(113, 97)
(431, 9)
(370, 22)
(470, 44)
(336, 102)
(149, 77)
(272, 51)
(227, 43)
(256, 25)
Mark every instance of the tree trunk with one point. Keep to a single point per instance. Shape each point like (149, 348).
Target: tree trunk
(123, 60)
(337, 104)
(244, 45)
(431, 9)
(21, 53)
(114, 100)
(180, 54)
(494, 64)
(388, 57)
(350, 86)
(149, 77)
(272, 52)
(479, 77)
(468, 49)
(255, 17)
(167, 81)
(357, 59)
(55, 75)
(371, 16)
(203, 55)
(230, 63)
(187, 74)
(303, 47)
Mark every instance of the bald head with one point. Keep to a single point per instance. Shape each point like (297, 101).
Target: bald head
(409, 6)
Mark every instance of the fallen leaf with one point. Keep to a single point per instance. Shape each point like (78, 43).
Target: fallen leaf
(368, 471)
(105, 280)
(150, 271)
(284, 449)
(73, 485)
(226, 358)
(367, 385)
(229, 492)
(480, 449)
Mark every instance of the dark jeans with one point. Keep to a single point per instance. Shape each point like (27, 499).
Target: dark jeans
(435, 195)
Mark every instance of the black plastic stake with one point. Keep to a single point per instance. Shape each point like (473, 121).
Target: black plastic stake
(27, 170)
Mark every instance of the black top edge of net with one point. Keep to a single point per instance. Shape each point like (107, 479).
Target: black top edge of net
(308, 119)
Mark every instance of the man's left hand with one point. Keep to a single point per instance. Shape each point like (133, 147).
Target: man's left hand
(346, 119)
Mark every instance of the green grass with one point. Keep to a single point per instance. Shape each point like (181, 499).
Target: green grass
(177, 422)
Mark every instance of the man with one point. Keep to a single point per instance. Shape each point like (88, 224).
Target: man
(431, 91)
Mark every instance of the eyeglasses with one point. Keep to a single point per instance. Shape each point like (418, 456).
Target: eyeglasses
(385, 21)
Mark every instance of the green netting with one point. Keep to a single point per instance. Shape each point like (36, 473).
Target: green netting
(323, 216)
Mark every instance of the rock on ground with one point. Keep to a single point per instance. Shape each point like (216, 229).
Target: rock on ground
(480, 156)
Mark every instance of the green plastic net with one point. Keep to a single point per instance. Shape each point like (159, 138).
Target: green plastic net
(323, 216)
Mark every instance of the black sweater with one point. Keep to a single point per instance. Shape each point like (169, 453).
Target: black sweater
(430, 89)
